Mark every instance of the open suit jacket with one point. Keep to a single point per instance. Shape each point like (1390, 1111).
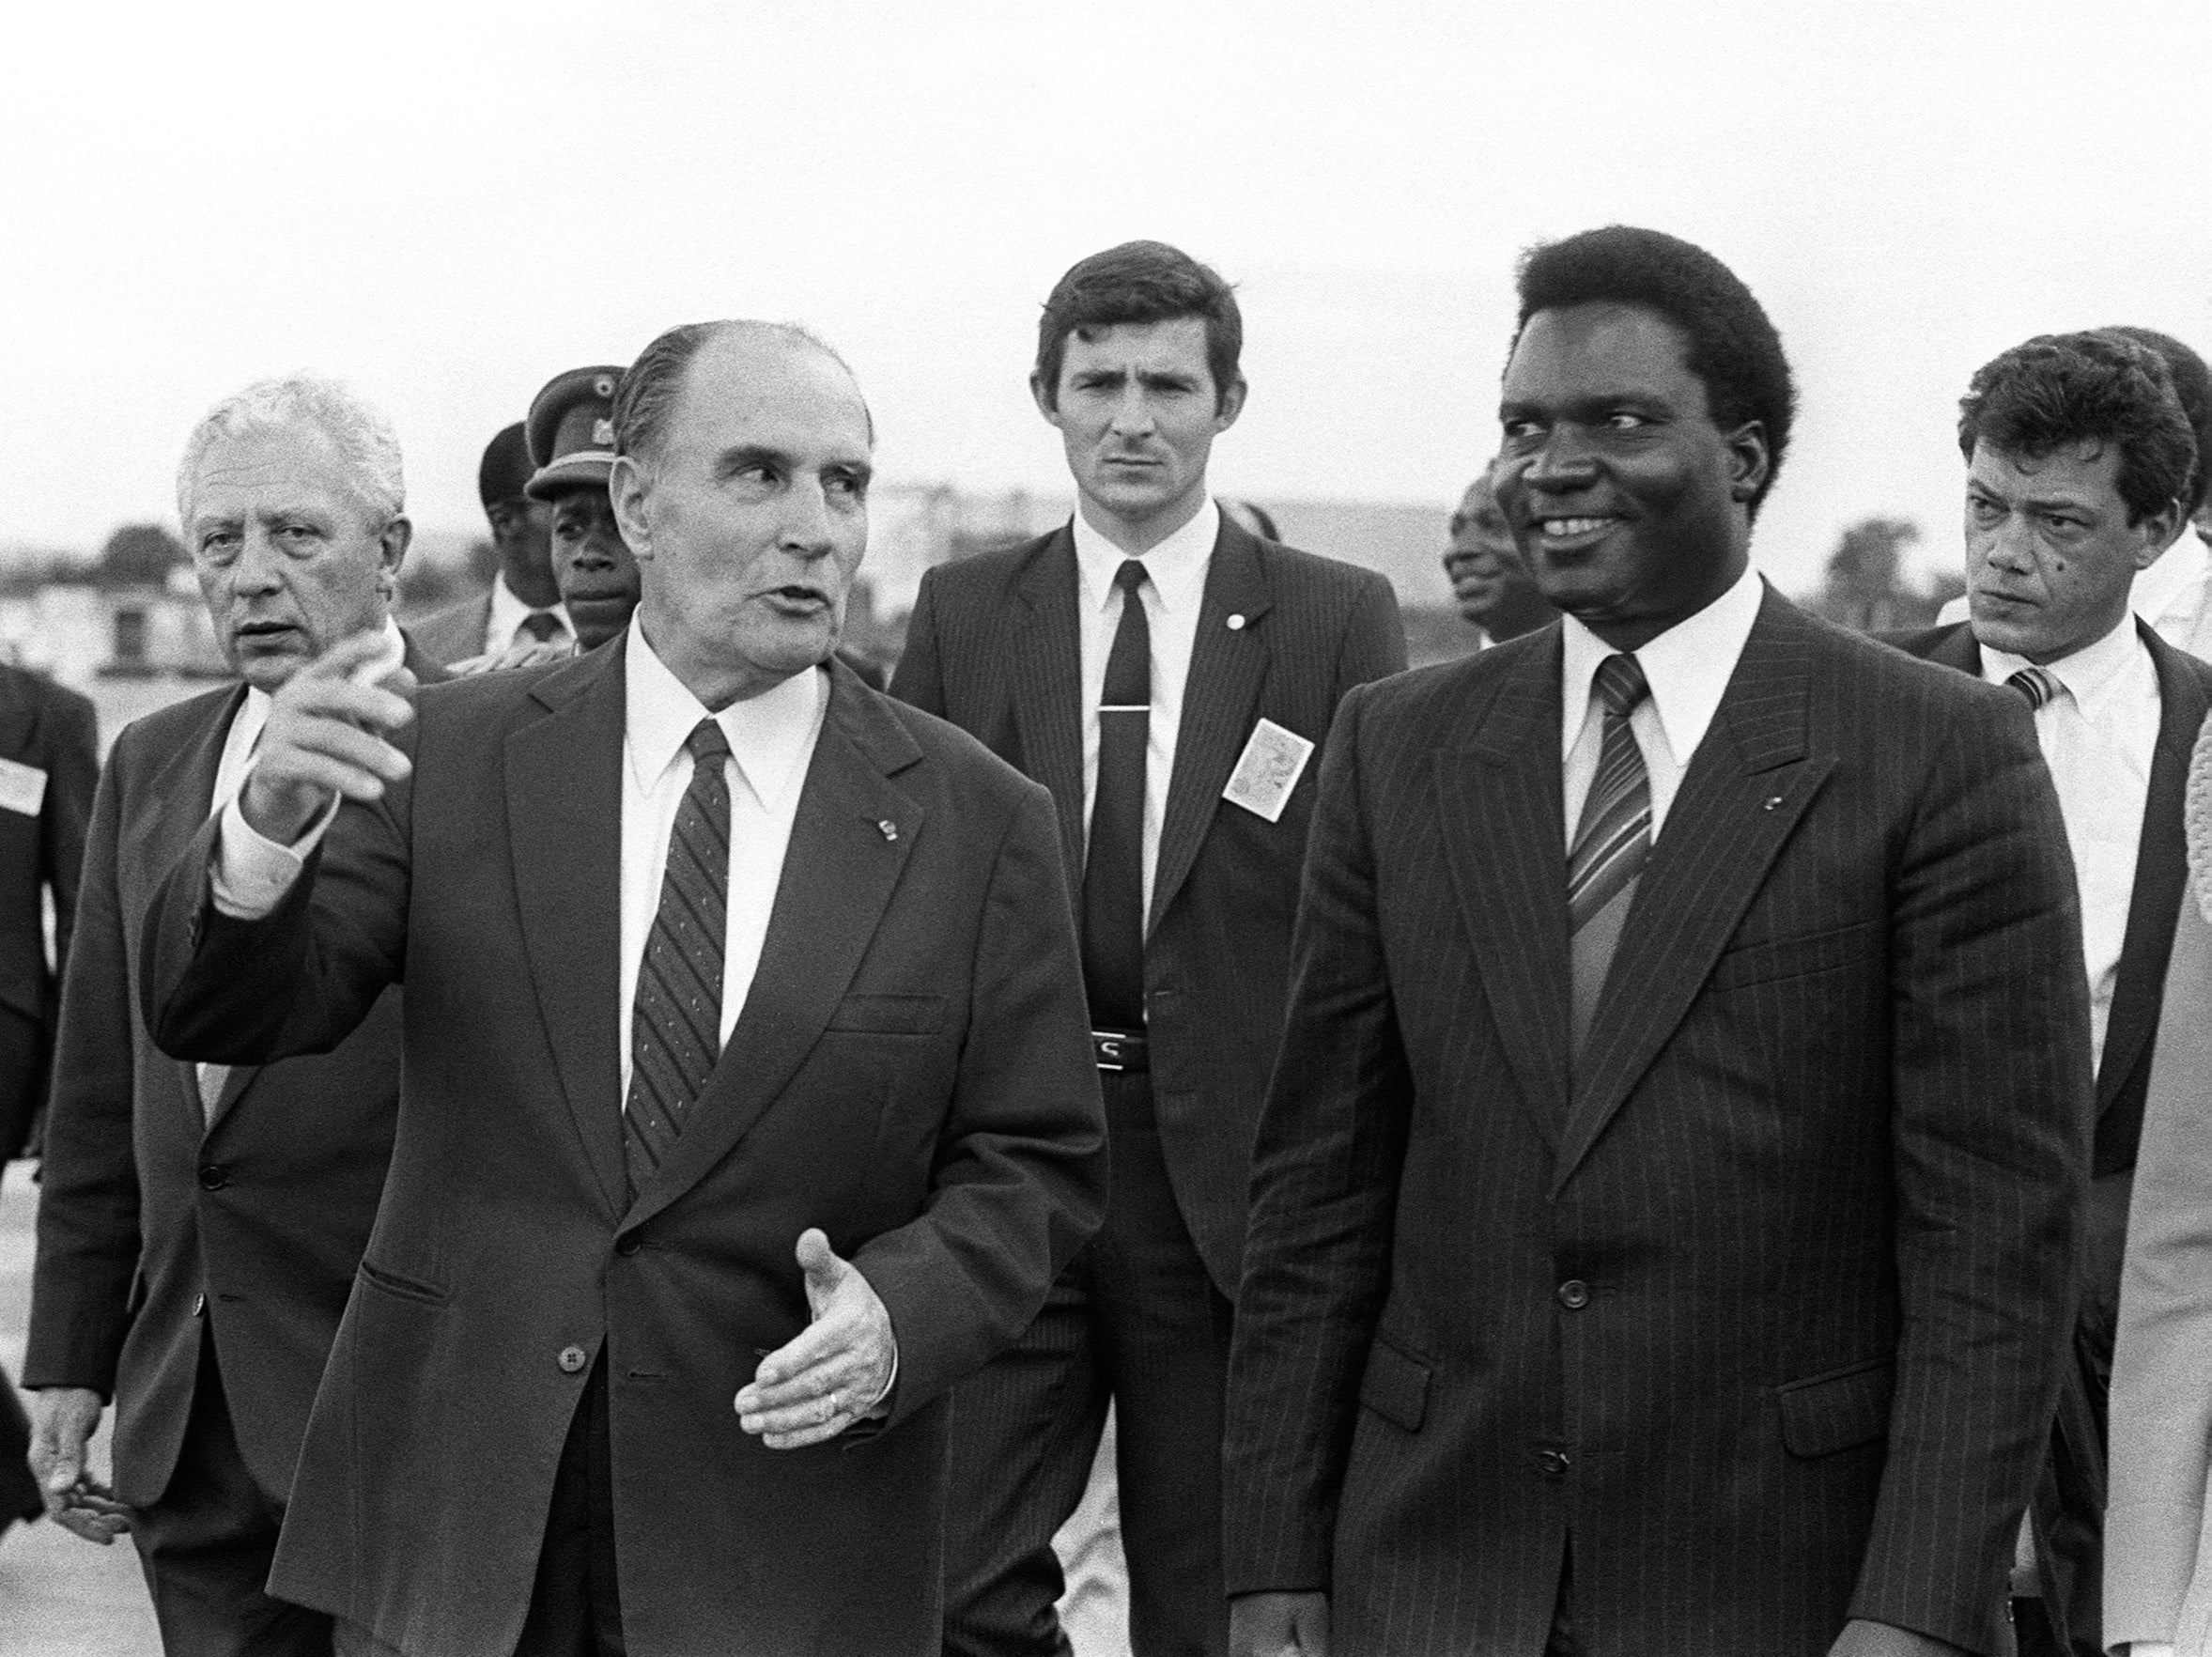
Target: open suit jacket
(154, 1223)
(2070, 1494)
(911, 1071)
(994, 645)
(50, 730)
(1764, 1305)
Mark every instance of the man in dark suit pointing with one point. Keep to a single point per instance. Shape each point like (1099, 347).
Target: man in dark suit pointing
(748, 1100)
(1169, 676)
(1664, 1210)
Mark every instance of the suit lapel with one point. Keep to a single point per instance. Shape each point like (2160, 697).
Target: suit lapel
(1045, 670)
(839, 874)
(1499, 802)
(563, 796)
(184, 784)
(1957, 649)
(2161, 870)
(1742, 793)
(1226, 668)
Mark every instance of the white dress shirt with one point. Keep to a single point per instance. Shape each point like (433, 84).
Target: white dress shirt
(771, 742)
(1688, 668)
(1176, 570)
(503, 625)
(2099, 736)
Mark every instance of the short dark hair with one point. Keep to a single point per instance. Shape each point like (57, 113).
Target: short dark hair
(650, 384)
(2192, 385)
(1139, 281)
(1727, 341)
(2098, 386)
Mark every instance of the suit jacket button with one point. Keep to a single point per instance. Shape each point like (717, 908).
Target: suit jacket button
(1552, 1463)
(213, 1176)
(199, 1307)
(626, 1245)
(1574, 1295)
(572, 1359)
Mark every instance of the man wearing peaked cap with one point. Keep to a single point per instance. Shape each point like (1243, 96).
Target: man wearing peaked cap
(571, 434)
(523, 606)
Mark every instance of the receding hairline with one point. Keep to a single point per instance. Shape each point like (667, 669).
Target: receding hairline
(334, 465)
(789, 338)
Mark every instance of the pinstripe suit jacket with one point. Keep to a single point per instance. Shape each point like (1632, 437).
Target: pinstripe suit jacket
(1764, 1306)
(994, 645)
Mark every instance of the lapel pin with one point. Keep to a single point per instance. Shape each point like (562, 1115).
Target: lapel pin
(1774, 802)
(1236, 624)
(889, 829)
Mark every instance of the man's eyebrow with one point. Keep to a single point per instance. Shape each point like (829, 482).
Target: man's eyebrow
(744, 455)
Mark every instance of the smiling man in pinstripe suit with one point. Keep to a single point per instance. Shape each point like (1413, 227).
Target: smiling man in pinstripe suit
(1664, 1212)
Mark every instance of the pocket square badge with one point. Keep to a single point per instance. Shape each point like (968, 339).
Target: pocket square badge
(1273, 760)
(23, 788)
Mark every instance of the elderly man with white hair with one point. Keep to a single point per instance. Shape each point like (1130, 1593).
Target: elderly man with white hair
(199, 1227)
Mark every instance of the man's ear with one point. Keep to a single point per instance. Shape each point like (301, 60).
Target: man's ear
(1042, 394)
(2157, 529)
(392, 549)
(1230, 406)
(1749, 460)
(626, 489)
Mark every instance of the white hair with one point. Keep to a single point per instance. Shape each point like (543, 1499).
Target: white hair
(367, 447)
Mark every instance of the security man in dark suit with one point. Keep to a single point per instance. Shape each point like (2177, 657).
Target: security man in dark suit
(49, 764)
(1171, 678)
(522, 607)
(199, 1225)
(2081, 466)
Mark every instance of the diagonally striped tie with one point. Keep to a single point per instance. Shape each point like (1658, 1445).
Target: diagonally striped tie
(2038, 685)
(1613, 838)
(675, 1033)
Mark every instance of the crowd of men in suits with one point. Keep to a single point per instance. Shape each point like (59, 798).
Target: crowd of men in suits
(588, 1126)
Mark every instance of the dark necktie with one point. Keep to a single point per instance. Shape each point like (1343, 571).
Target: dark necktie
(1612, 843)
(542, 626)
(1113, 867)
(2040, 687)
(676, 1028)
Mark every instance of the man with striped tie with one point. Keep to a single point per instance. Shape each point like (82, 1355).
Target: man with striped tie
(750, 1100)
(1664, 1210)
(2081, 465)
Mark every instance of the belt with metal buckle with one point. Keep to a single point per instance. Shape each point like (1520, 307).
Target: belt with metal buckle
(1124, 1051)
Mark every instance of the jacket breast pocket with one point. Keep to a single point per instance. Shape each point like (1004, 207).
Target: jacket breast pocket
(1774, 959)
(1395, 1386)
(899, 1014)
(1837, 1411)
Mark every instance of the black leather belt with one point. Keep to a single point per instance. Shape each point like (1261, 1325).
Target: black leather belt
(1124, 1051)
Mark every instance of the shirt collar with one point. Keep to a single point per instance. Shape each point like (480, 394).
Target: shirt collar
(770, 734)
(508, 611)
(1688, 666)
(2088, 672)
(1177, 566)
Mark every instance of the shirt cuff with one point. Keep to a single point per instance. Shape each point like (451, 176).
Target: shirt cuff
(250, 872)
(880, 1405)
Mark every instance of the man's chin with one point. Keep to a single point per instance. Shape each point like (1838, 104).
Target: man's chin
(267, 669)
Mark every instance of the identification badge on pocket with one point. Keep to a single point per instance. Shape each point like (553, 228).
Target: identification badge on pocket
(1273, 760)
(23, 788)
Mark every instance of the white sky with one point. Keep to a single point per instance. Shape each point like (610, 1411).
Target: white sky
(447, 204)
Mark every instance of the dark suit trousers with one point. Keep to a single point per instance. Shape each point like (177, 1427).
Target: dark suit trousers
(576, 1604)
(23, 1079)
(206, 1545)
(1134, 1320)
(19, 1491)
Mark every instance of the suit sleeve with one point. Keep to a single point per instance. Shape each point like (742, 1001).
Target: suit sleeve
(1374, 640)
(1021, 1174)
(1992, 1107)
(2161, 1409)
(920, 679)
(1324, 1196)
(71, 778)
(87, 1236)
(223, 990)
